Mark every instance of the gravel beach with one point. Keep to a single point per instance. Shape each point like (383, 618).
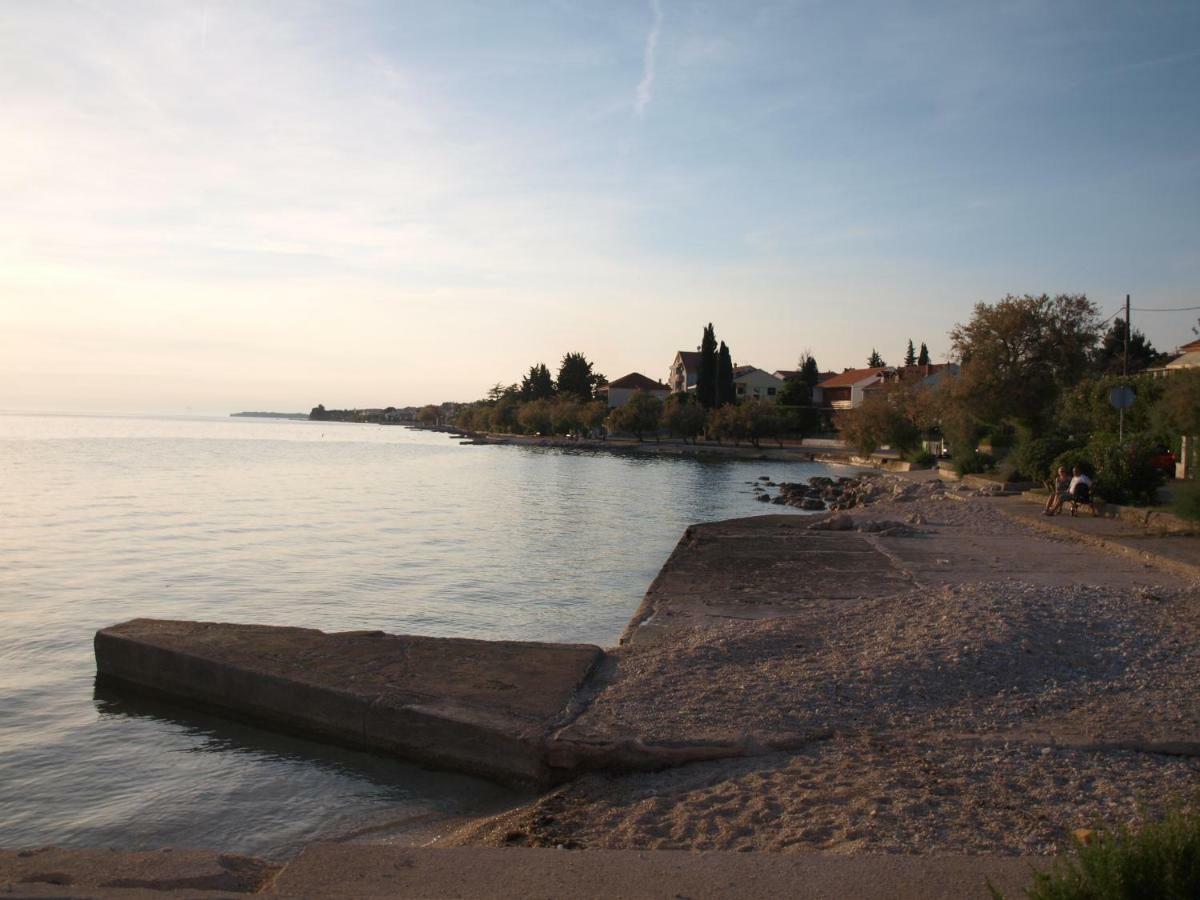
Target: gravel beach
(919, 674)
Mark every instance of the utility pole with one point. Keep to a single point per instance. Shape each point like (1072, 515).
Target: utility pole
(1124, 370)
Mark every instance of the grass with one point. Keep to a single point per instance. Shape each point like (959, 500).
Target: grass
(1187, 501)
(1160, 861)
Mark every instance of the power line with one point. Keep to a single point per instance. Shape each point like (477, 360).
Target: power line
(1174, 309)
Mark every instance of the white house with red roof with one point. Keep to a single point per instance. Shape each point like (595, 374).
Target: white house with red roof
(622, 389)
(750, 382)
(845, 391)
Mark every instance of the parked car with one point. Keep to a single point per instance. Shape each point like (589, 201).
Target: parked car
(1164, 460)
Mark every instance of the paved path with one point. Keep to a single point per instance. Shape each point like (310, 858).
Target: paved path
(371, 871)
(1179, 553)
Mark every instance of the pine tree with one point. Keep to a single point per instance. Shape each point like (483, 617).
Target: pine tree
(923, 359)
(910, 355)
(809, 373)
(706, 378)
(538, 384)
(725, 389)
(875, 360)
(576, 378)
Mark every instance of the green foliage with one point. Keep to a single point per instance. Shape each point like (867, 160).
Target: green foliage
(1123, 473)
(640, 415)
(910, 354)
(1160, 861)
(536, 417)
(537, 385)
(428, 415)
(706, 377)
(921, 458)
(1110, 355)
(683, 417)
(809, 372)
(504, 413)
(1178, 409)
(970, 462)
(1084, 408)
(1076, 456)
(725, 387)
(576, 378)
(1187, 501)
(881, 419)
(1034, 458)
(923, 356)
(1019, 354)
(794, 393)
(726, 422)
(875, 360)
(760, 419)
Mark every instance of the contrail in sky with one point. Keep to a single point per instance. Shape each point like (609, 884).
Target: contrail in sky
(646, 85)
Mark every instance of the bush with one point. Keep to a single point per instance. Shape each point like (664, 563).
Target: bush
(1123, 473)
(921, 458)
(1187, 501)
(973, 463)
(1160, 860)
(1034, 458)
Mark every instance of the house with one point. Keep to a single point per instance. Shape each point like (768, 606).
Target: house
(1188, 358)
(749, 382)
(685, 370)
(923, 376)
(622, 389)
(845, 391)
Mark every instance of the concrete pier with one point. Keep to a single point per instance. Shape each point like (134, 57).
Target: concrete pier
(482, 707)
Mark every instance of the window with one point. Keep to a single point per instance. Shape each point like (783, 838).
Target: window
(770, 392)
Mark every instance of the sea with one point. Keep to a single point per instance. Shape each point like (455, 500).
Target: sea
(335, 526)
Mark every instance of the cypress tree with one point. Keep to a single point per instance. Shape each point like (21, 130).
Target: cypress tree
(910, 355)
(725, 389)
(875, 360)
(923, 359)
(706, 378)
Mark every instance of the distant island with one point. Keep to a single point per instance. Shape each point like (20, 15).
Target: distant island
(272, 415)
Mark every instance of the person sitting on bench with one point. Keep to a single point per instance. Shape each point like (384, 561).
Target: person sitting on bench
(1060, 492)
(1081, 492)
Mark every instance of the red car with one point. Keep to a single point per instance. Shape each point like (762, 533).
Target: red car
(1163, 460)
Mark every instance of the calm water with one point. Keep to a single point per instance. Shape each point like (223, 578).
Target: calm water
(325, 525)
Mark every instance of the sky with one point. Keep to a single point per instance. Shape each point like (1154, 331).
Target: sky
(220, 206)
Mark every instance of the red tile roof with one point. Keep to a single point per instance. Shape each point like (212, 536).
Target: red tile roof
(852, 377)
(1190, 348)
(690, 358)
(635, 380)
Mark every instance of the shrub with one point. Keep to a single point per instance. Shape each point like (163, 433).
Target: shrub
(973, 463)
(921, 458)
(1123, 473)
(1187, 501)
(1034, 458)
(1160, 860)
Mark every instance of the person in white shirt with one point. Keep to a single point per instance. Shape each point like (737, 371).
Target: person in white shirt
(1081, 491)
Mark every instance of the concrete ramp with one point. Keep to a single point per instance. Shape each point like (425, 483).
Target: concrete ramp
(482, 707)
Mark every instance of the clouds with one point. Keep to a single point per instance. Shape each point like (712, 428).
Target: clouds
(645, 89)
(456, 188)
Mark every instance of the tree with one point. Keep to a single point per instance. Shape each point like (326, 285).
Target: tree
(1110, 355)
(576, 378)
(706, 377)
(727, 422)
(910, 355)
(428, 415)
(592, 415)
(567, 415)
(760, 420)
(641, 413)
(726, 393)
(536, 416)
(504, 412)
(923, 356)
(794, 393)
(810, 374)
(319, 413)
(537, 385)
(879, 420)
(1019, 354)
(1179, 408)
(683, 417)
(875, 360)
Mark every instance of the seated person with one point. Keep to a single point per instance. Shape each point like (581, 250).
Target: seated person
(1081, 491)
(1060, 490)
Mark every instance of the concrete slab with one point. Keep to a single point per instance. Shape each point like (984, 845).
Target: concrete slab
(483, 707)
(760, 567)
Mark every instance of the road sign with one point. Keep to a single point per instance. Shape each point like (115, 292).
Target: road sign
(1122, 397)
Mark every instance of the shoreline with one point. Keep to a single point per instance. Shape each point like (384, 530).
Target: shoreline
(922, 676)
